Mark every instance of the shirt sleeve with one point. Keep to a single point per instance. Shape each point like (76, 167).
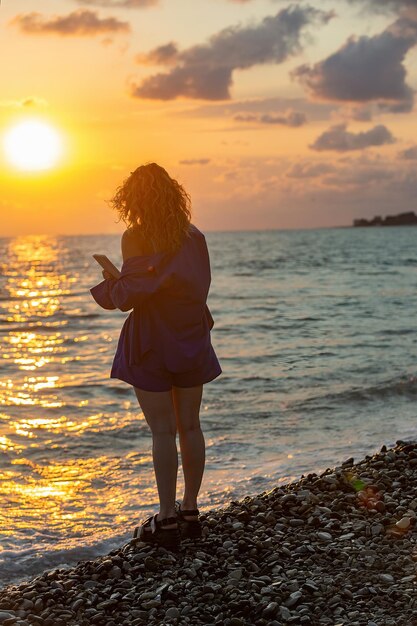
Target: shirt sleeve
(102, 294)
(129, 290)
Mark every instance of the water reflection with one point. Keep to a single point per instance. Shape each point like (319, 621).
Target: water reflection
(68, 450)
(71, 490)
(31, 294)
(33, 287)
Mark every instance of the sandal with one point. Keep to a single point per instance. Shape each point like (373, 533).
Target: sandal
(189, 528)
(152, 531)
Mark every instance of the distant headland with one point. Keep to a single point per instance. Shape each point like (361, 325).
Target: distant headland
(402, 219)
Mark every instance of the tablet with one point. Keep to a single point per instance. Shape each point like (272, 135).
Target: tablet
(107, 265)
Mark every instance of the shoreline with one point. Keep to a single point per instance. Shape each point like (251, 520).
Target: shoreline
(337, 549)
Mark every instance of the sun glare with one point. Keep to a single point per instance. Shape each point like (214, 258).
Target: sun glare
(32, 145)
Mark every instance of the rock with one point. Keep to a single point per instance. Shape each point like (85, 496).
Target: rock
(26, 604)
(236, 574)
(403, 523)
(77, 604)
(295, 522)
(386, 578)
(172, 613)
(151, 564)
(284, 612)
(346, 537)
(5, 615)
(90, 584)
(115, 572)
(270, 610)
(377, 529)
(151, 604)
(293, 599)
(323, 536)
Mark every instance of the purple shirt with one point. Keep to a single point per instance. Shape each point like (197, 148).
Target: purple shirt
(168, 294)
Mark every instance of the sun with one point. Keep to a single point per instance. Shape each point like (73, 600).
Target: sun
(32, 145)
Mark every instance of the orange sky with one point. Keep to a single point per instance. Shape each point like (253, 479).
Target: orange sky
(272, 114)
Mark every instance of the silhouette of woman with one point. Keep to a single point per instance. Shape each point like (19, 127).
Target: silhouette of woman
(164, 349)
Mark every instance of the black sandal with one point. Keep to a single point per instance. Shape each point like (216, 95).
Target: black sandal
(189, 528)
(152, 531)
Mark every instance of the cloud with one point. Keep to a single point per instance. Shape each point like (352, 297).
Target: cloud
(195, 162)
(309, 170)
(162, 55)
(25, 103)
(384, 6)
(294, 119)
(410, 154)
(366, 69)
(341, 140)
(360, 176)
(405, 7)
(360, 113)
(205, 71)
(80, 23)
(120, 4)
(315, 111)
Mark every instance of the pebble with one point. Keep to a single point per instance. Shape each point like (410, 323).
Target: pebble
(236, 574)
(293, 599)
(386, 578)
(151, 564)
(284, 612)
(403, 523)
(115, 572)
(310, 552)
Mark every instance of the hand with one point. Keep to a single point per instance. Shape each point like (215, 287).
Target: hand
(106, 275)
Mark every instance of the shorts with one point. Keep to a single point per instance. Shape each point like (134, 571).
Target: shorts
(152, 375)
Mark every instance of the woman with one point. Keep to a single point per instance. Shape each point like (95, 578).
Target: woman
(164, 349)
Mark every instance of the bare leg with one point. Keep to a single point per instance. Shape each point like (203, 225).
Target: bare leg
(159, 412)
(187, 403)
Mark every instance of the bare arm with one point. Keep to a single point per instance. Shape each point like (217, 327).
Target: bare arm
(131, 244)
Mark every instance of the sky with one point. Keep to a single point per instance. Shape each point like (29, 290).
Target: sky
(273, 114)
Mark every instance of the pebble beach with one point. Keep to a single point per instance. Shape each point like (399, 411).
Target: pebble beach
(336, 549)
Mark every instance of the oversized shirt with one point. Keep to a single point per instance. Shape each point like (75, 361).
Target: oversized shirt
(168, 294)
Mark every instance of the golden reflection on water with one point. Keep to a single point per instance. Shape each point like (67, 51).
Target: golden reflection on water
(39, 484)
(31, 350)
(7, 444)
(71, 490)
(28, 426)
(34, 289)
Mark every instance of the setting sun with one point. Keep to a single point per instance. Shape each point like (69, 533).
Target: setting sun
(32, 145)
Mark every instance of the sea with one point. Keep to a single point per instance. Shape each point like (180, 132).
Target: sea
(317, 337)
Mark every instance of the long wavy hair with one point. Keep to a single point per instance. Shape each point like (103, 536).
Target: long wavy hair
(155, 205)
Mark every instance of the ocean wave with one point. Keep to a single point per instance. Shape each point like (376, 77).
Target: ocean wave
(16, 565)
(400, 386)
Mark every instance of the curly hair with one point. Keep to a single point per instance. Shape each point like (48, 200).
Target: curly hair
(158, 204)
